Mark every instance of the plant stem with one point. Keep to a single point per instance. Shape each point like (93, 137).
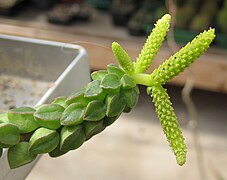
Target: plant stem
(143, 79)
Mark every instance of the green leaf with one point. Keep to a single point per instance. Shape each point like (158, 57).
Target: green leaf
(92, 128)
(9, 134)
(23, 118)
(57, 152)
(4, 117)
(78, 97)
(111, 83)
(60, 101)
(110, 120)
(19, 155)
(72, 137)
(98, 75)
(73, 115)
(4, 145)
(115, 104)
(127, 109)
(114, 69)
(127, 82)
(49, 116)
(94, 91)
(43, 140)
(137, 90)
(131, 97)
(95, 111)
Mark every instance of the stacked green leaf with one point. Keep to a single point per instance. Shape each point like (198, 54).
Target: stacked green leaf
(67, 122)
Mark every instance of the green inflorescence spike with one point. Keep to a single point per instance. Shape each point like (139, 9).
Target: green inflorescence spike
(123, 58)
(152, 45)
(182, 59)
(168, 119)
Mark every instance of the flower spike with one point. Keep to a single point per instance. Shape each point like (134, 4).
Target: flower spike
(152, 45)
(169, 123)
(182, 59)
(123, 58)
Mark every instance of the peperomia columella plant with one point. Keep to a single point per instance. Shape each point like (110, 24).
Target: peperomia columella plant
(68, 122)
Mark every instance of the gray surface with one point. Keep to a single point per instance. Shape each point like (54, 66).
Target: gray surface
(38, 61)
(135, 148)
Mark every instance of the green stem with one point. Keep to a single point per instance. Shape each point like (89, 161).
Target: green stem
(143, 79)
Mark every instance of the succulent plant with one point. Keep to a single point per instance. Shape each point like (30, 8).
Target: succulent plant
(68, 122)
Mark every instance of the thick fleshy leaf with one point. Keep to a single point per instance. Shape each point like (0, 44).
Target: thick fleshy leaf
(98, 75)
(23, 118)
(127, 82)
(131, 97)
(92, 128)
(95, 111)
(43, 140)
(57, 152)
(19, 155)
(78, 97)
(127, 109)
(9, 134)
(73, 115)
(49, 116)
(110, 120)
(4, 145)
(72, 137)
(115, 104)
(137, 90)
(94, 91)
(114, 69)
(60, 101)
(111, 83)
(4, 118)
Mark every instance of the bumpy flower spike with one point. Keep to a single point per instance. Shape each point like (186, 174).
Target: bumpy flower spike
(169, 123)
(182, 59)
(123, 58)
(68, 122)
(152, 45)
(169, 69)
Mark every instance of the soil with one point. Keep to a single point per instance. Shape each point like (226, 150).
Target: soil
(17, 91)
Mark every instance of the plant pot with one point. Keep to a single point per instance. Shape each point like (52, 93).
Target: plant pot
(57, 69)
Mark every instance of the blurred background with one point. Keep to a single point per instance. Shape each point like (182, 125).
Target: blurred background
(134, 147)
